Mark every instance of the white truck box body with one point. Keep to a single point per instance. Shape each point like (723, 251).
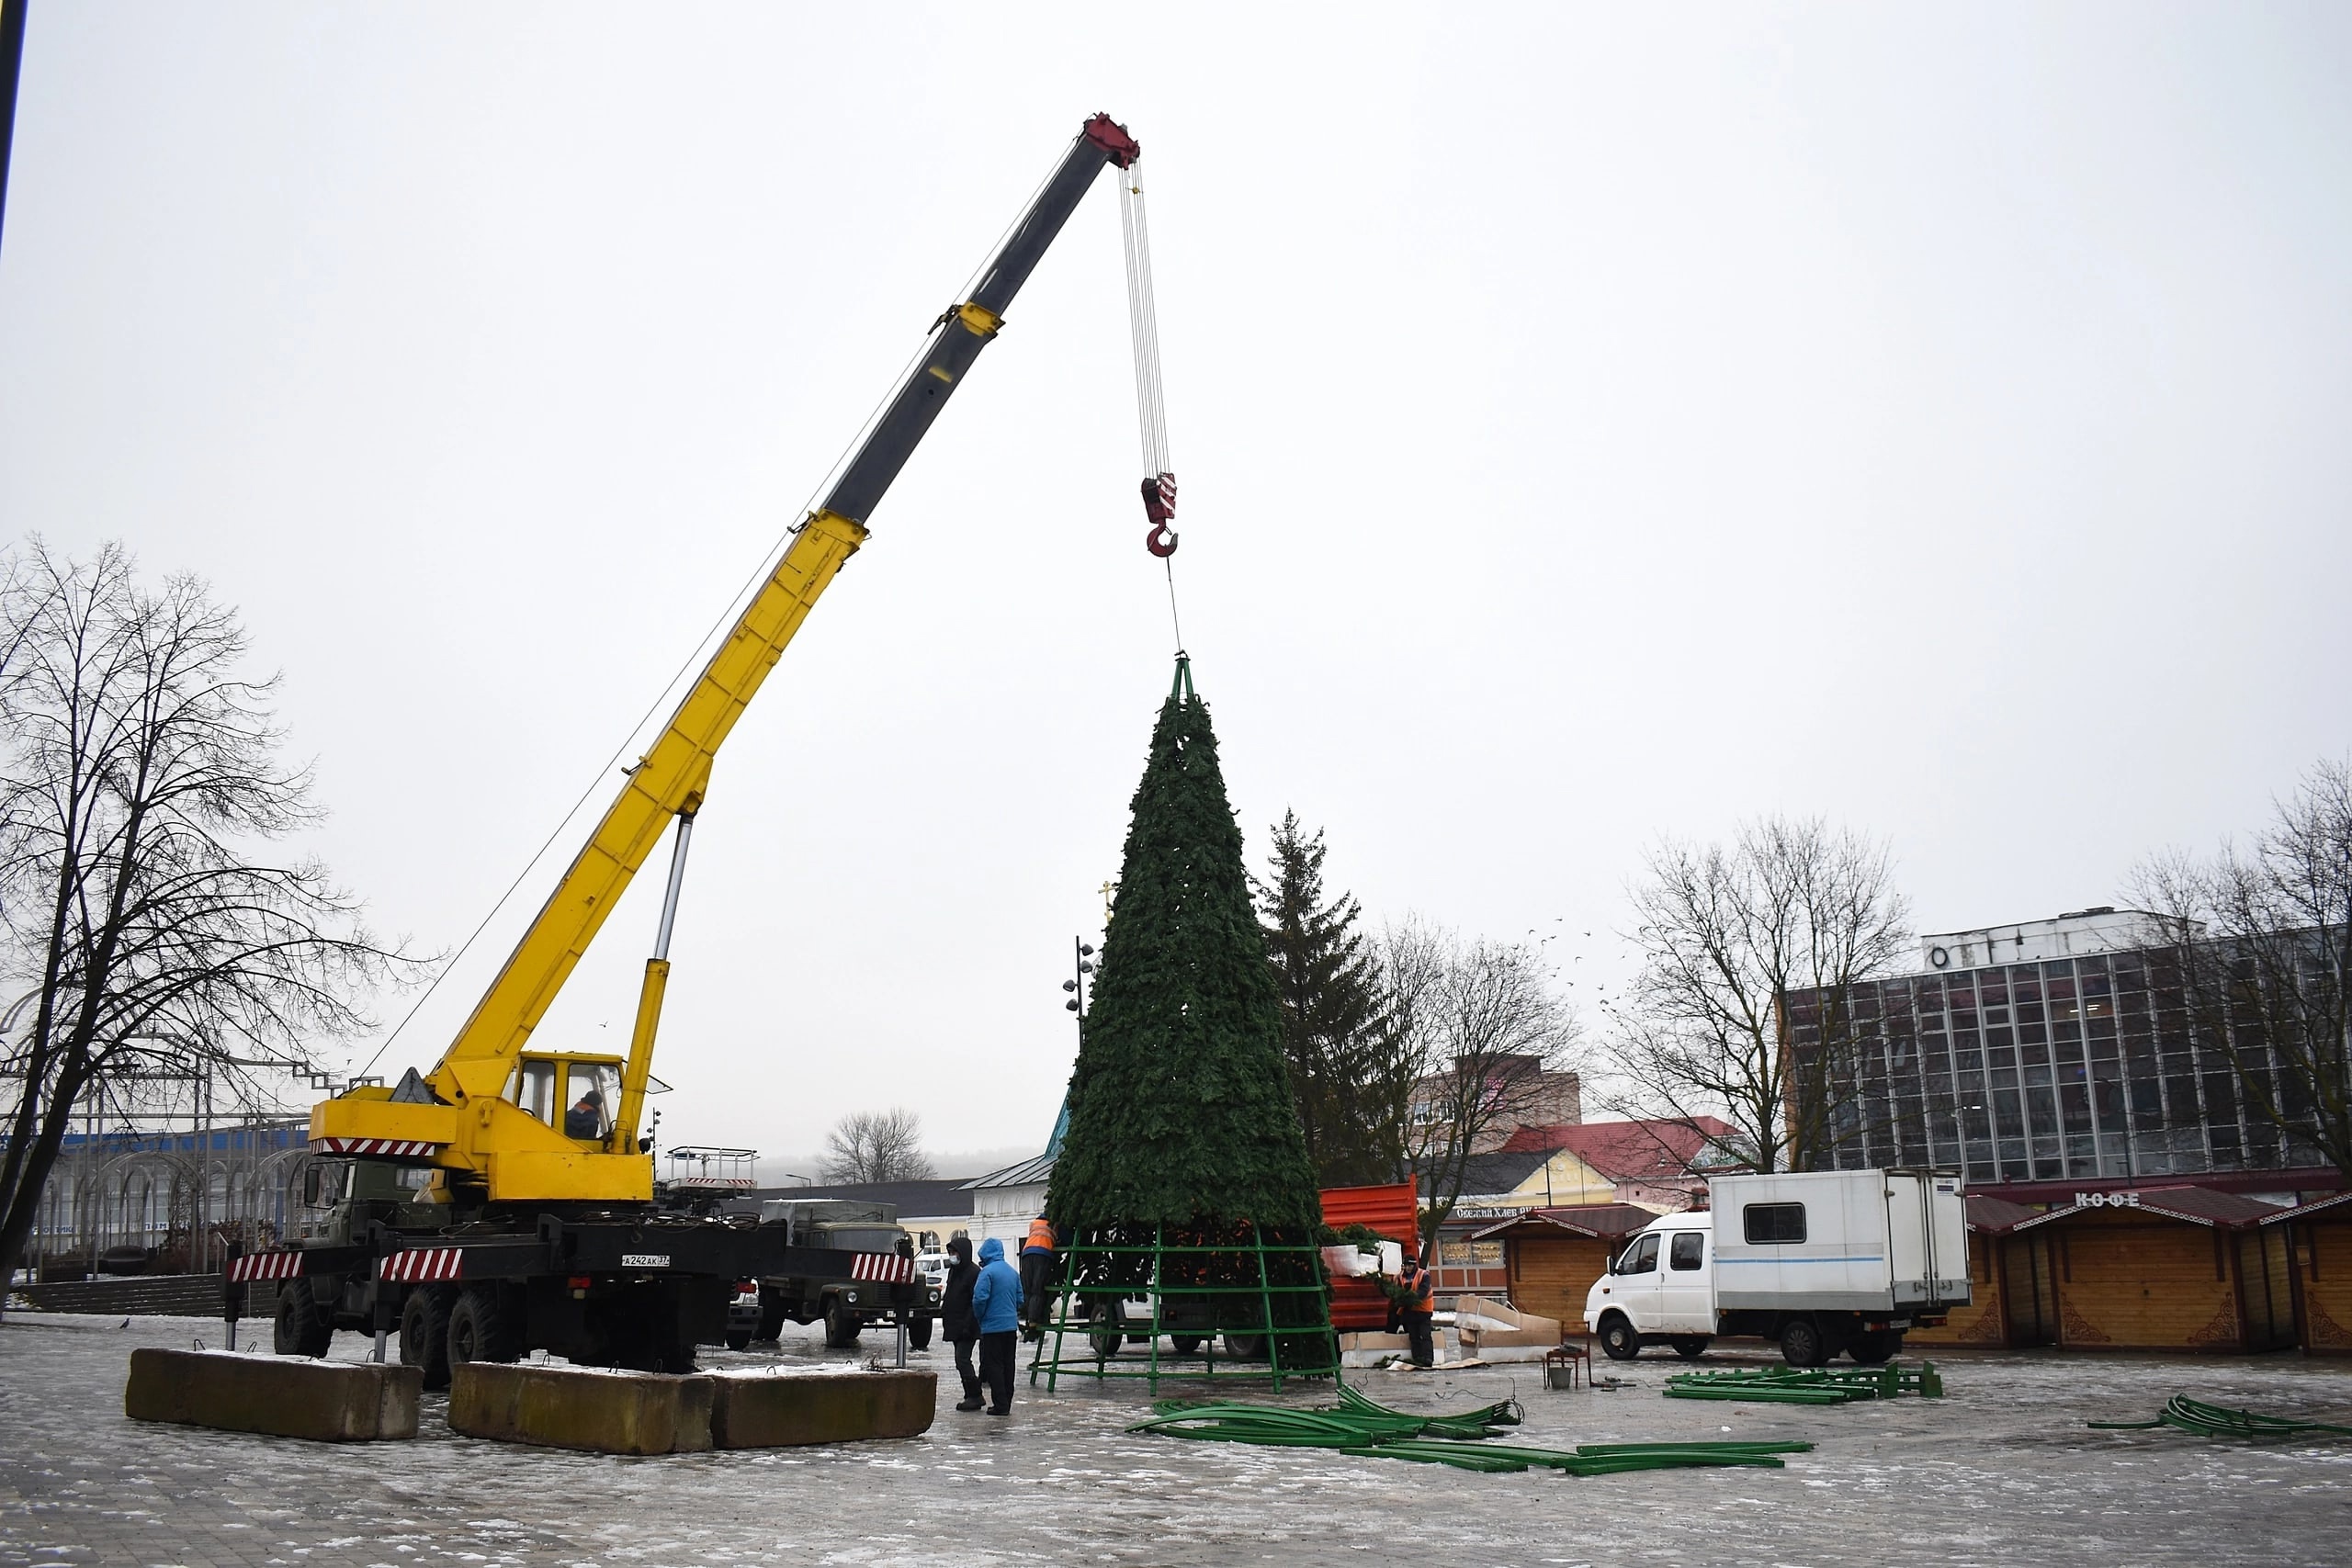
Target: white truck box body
(1874, 1241)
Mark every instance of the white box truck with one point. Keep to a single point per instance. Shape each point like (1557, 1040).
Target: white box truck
(1820, 1261)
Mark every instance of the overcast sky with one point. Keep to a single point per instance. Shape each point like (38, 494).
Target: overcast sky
(1592, 424)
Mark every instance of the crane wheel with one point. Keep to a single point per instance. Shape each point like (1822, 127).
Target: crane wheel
(482, 1330)
(299, 1330)
(424, 1332)
(918, 1334)
(841, 1325)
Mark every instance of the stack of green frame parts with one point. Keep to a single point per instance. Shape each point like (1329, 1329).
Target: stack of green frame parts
(1358, 1427)
(1132, 1303)
(2186, 1415)
(1798, 1385)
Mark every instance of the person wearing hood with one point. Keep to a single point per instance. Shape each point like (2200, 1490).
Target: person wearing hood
(956, 1319)
(996, 1310)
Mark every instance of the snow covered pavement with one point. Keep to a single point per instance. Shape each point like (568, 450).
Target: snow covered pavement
(2000, 1471)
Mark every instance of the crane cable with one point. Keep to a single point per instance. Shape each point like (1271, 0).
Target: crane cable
(1151, 404)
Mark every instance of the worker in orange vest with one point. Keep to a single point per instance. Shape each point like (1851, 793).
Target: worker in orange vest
(1038, 1275)
(1420, 1302)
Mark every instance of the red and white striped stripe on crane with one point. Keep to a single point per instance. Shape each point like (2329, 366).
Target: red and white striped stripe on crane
(264, 1265)
(426, 1263)
(885, 1267)
(399, 1148)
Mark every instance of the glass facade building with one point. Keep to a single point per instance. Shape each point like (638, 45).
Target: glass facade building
(2086, 1066)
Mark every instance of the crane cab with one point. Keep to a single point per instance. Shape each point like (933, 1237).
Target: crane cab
(573, 1095)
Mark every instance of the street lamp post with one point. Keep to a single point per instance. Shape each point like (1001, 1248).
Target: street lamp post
(1960, 1139)
(1083, 957)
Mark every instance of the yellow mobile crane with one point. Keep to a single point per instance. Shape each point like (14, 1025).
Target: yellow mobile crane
(503, 1200)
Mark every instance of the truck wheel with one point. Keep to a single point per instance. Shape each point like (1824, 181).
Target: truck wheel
(482, 1330)
(1802, 1343)
(1246, 1346)
(841, 1325)
(1690, 1348)
(739, 1339)
(299, 1331)
(674, 1349)
(424, 1333)
(1618, 1339)
(771, 1318)
(1186, 1344)
(1110, 1330)
(1876, 1346)
(918, 1334)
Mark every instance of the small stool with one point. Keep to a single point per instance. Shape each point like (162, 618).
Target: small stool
(1563, 1367)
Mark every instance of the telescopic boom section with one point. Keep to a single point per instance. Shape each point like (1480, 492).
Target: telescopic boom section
(669, 781)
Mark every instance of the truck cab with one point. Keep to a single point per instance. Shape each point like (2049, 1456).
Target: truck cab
(1660, 1290)
(847, 1304)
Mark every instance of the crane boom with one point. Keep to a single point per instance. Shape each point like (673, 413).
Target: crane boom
(668, 784)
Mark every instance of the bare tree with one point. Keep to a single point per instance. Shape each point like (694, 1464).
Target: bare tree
(876, 1146)
(141, 770)
(2261, 954)
(1736, 942)
(1487, 1042)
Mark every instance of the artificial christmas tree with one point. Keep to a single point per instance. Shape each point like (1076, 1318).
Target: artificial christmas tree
(1183, 1176)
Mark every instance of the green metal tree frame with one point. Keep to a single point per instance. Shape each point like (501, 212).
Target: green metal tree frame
(1090, 1272)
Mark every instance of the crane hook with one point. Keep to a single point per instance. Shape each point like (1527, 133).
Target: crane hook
(1159, 505)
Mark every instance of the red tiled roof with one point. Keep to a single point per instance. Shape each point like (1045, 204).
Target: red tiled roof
(1581, 1219)
(2197, 1205)
(1626, 1151)
(2333, 1201)
(1995, 1214)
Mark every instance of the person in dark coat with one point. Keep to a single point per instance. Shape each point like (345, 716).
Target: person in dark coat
(996, 1304)
(956, 1319)
(585, 1119)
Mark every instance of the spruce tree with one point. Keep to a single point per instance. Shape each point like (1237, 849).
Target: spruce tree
(1332, 1014)
(1180, 1106)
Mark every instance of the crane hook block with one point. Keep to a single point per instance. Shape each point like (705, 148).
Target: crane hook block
(1159, 505)
(1160, 497)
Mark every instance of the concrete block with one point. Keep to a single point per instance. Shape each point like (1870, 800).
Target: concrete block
(793, 1410)
(573, 1407)
(326, 1402)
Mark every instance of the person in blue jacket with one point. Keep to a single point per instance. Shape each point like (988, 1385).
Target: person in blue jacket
(996, 1307)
